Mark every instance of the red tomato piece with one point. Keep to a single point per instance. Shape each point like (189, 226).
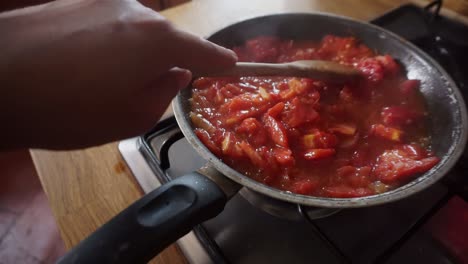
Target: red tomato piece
(391, 67)
(207, 141)
(388, 133)
(399, 116)
(316, 154)
(202, 83)
(299, 113)
(276, 110)
(409, 87)
(283, 156)
(372, 69)
(343, 191)
(287, 94)
(414, 151)
(305, 186)
(254, 131)
(396, 165)
(276, 130)
(241, 102)
(230, 90)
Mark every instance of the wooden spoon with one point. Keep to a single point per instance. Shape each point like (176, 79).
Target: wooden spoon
(314, 69)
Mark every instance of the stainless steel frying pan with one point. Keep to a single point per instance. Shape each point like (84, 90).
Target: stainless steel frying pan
(158, 219)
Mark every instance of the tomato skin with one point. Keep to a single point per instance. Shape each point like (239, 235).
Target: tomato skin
(276, 131)
(397, 165)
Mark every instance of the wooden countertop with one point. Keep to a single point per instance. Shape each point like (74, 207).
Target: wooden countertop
(87, 187)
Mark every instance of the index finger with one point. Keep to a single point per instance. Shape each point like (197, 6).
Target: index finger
(199, 55)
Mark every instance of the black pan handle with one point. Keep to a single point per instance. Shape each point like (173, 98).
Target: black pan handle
(152, 223)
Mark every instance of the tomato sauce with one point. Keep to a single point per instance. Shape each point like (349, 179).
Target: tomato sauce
(312, 137)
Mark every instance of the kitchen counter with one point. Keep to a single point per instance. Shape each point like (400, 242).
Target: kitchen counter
(87, 187)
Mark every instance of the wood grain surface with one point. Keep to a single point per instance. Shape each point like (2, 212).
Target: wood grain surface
(86, 188)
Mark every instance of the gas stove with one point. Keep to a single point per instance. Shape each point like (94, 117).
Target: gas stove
(428, 227)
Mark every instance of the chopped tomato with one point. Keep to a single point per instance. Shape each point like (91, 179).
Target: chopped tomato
(276, 130)
(388, 133)
(316, 154)
(372, 69)
(253, 130)
(283, 156)
(397, 165)
(276, 110)
(414, 151)
(408, 87)
(391, 67)
(305, 186)
(299, 113)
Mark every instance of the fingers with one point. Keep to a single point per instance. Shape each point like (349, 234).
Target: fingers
(197, 54)
(159, 94)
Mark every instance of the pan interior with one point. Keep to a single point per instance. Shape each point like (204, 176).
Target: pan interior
(448, 122)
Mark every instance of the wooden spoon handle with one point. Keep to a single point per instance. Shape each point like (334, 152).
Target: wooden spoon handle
(318, 70)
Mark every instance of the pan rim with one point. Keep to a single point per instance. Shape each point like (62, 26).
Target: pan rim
(422, 182)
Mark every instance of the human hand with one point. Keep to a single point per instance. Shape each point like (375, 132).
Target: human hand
(77, 73)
